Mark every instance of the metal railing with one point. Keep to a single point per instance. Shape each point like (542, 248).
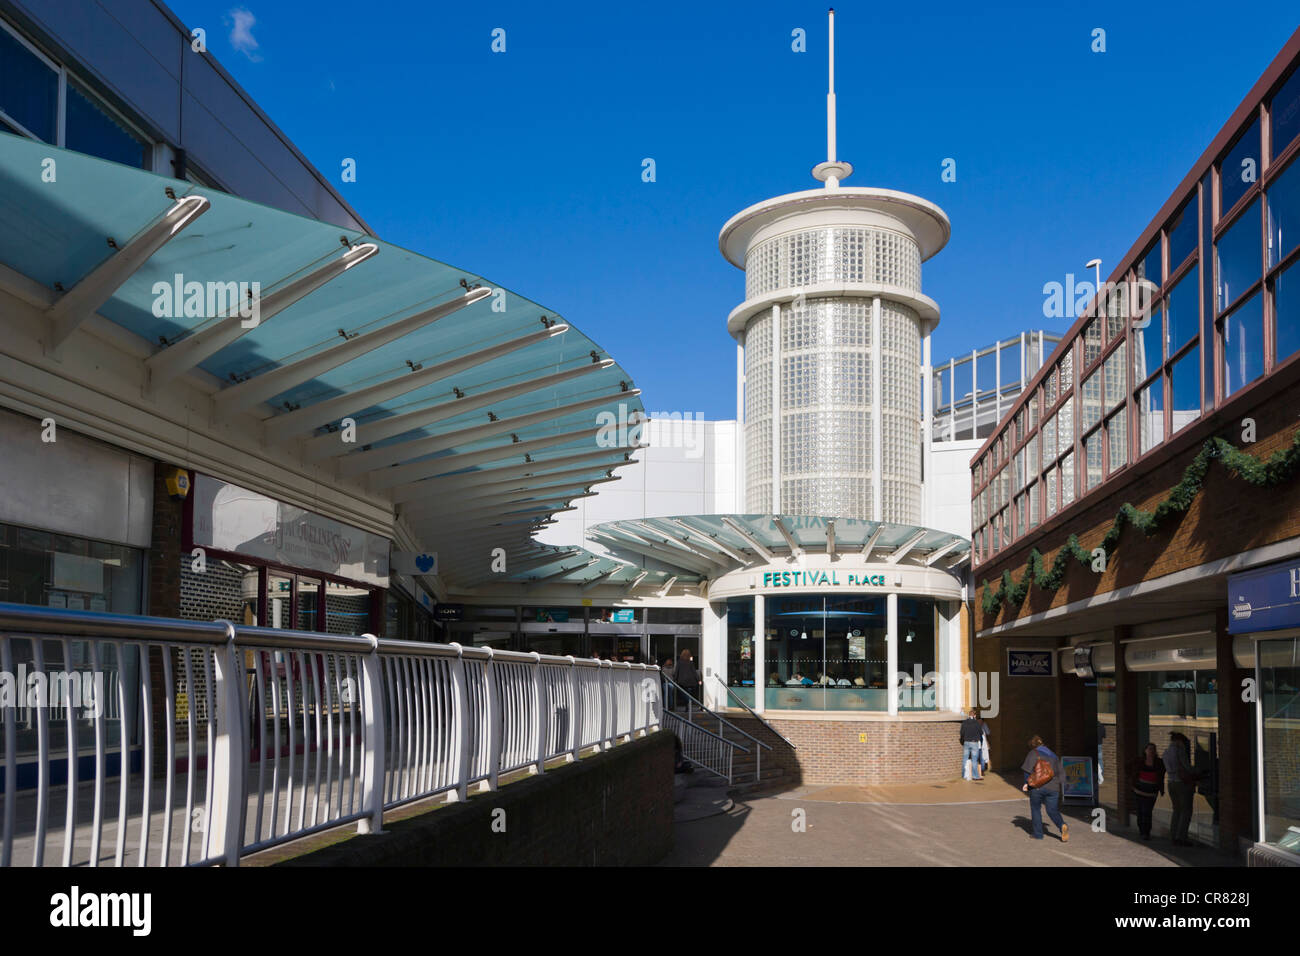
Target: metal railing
(225, 740)
(703, 747)
(695, 707)
(749, 710)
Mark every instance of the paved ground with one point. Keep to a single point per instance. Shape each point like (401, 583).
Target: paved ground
(953, 824)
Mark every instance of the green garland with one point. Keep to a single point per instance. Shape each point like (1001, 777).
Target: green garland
(1263, 474)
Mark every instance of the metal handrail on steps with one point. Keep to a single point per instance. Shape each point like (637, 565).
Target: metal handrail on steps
(722, 722)
(703, 749)
(749, 710)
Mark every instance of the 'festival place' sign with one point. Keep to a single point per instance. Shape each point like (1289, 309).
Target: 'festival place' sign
(812, 579)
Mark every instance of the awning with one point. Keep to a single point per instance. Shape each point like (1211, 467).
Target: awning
(712, 545)
(477, 410)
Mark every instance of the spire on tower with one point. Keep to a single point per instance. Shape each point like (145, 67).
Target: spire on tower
(831, 171)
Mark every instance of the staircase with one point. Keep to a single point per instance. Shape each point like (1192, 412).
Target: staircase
(715, 744)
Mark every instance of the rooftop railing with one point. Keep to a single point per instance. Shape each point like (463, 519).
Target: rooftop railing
(151, 741)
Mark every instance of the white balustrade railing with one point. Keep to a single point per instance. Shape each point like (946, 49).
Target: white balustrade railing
(297, 731)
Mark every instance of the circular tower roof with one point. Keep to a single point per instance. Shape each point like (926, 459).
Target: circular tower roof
(922, 219)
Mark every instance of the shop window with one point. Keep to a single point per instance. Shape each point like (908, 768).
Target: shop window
(1149, 266)
(1243, 345)
(29, 89)
(55, 570)
(1183, 312)
(1287, 309)
(1284, 214)
(93, 129)
(1237, 258)
(347, 609)
(1182, 236)
(1184, 702)
(1239, 169)
(1185, 379)
(1151, 416)
(1148, 346)
(1279, 673)
(1284, 114)
(1117, 439)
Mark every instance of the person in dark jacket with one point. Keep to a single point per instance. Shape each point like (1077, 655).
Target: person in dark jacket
(1147, 778)
(972, 738)
(687, 677)
(1048, 794)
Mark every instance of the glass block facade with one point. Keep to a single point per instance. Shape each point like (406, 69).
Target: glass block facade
(833, 254)
(826, 410)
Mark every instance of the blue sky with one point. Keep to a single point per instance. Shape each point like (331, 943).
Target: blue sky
(525, 166)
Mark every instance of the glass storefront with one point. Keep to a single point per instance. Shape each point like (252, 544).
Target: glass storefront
(1184, 702)
(1279, 674)
(58, 570)
(830, 652)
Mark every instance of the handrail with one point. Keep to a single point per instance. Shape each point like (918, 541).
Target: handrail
(339, 729)
(705, 730)
(688, 734)
(760, 719)
(714, 714)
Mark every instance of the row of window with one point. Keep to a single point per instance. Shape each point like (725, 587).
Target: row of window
(1150, 361)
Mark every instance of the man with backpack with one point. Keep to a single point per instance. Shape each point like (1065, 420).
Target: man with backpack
(1043, 783)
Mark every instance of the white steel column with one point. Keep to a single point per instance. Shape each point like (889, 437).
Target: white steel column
(776, 409)
(877, 416)
(713, 654)
(760, 654)
(741, 494)
(891, 667)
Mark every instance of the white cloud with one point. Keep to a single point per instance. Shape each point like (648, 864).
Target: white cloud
(242, 21)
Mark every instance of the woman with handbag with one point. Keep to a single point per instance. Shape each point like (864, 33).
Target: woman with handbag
(1043, 784)
(1147, 779)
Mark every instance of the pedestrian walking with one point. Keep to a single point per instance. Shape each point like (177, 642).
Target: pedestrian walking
(970, 736)
(984, 743)
(1147, 779)
(1043, 778)
(1182, 786)
(687, 677)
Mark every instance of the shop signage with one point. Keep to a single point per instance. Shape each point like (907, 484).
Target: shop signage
(1083, 662)
(1078, 783)
(812, 579)
(413, 563)
(624, 616)
(449, 612)
(234, 519)
(1264, 599)
(1029, 664)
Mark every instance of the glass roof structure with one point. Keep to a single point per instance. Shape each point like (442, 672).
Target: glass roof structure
(711, 545)
(475, 409)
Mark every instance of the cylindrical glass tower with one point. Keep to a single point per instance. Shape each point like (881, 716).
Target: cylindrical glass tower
(833, 330)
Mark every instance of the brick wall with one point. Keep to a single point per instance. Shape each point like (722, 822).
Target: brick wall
(612, 809)
(1227, 517)
(833, 751)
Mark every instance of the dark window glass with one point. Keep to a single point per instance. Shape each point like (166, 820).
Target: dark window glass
(1284, 112)
(29, 90)
(1236, 258)
(1148, 266)
(1182, 236)
(1148, 346)
(1284, 214)
(1184, 312)
(93, 130)
(1186, 389)
(1240, 169)
(1287, 300)
(1243, 345)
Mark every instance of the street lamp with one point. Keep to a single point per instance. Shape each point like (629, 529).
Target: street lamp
(1095, 265)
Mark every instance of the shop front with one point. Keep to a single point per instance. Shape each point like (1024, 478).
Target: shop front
(840, 636)
(255, 560)
(1264, 610)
